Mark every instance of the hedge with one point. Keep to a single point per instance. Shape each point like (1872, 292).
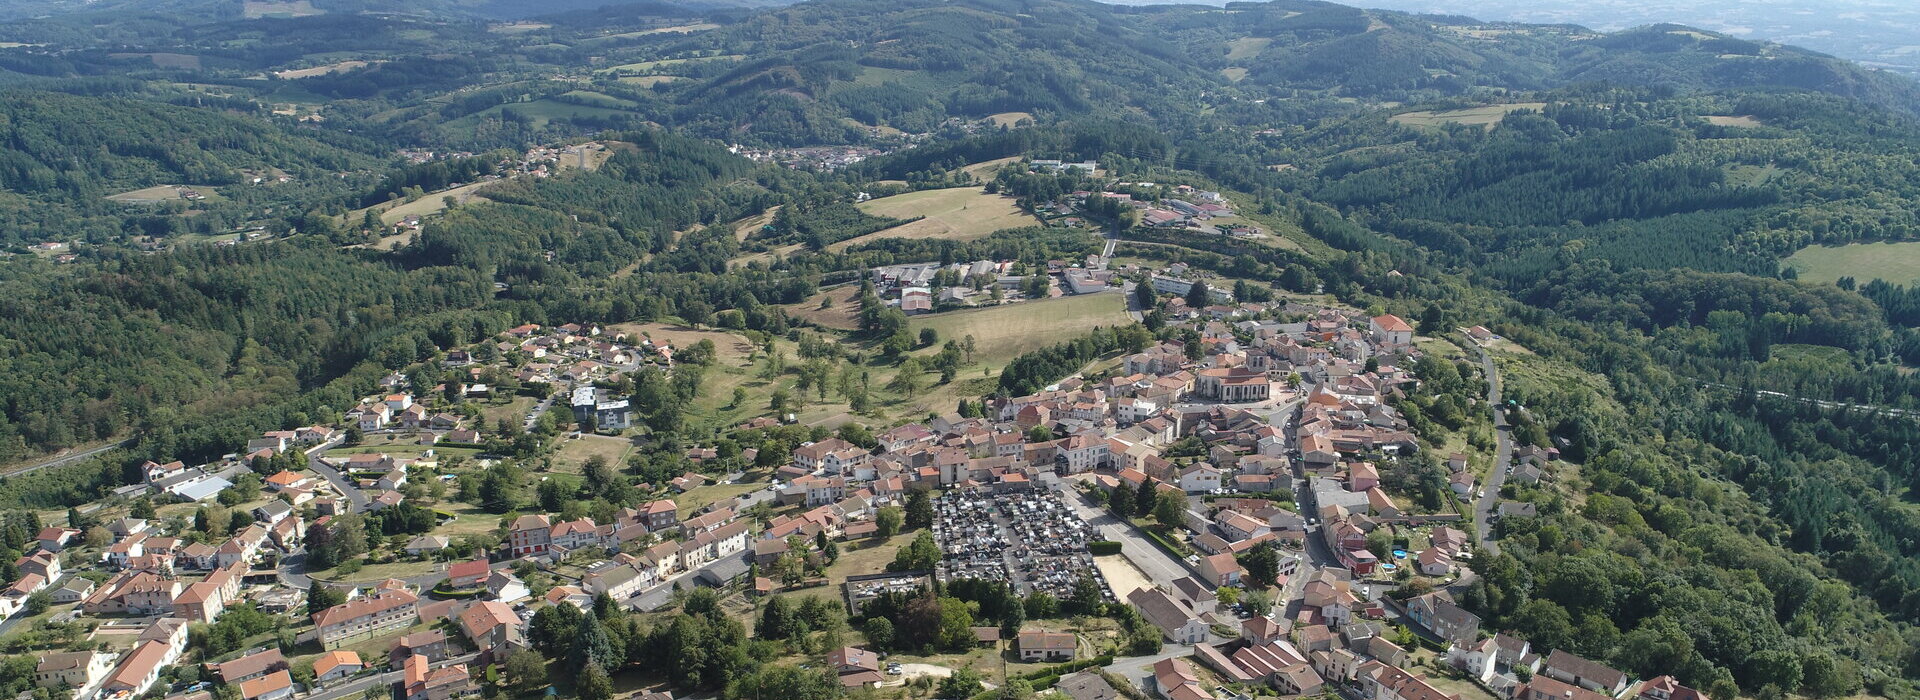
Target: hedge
(1064, 669)
(1104, 547)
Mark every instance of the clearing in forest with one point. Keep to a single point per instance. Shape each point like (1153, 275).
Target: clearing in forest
(1898, 263)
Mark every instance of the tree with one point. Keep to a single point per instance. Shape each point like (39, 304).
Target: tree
(526, 670)
(963, 683)
(919, 509)
(1039, 433)
(1262, 565)
(39, 602)
(776, 620)
(1121, 503)
(879, 631)
(1145, 498)
(1197, 296)
(888, 521)
(1257, 602)
(594, 684)
(552, 629)
(321, 596)
(907, 381)
(929, 336)
(1170, 509)
(784, 683)
(922, 554)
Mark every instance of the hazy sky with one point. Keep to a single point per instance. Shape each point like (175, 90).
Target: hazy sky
(1883, 33)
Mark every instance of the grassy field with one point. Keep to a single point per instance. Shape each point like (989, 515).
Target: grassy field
(541, 112)
(158, 193)
(514, 410)
(643, 66)
(845, 314)
(256, 9)
(392, 212)
(163, 60)
(1002, 332)
(985, 170)
(870, 556)
(1746, 121)
(1486, 116)
(602, 99)
(1008, 118)
(342, 66)
(959, 213)
(1898, 263)
(649, 80)
(704, 496)
(574, 453)
(1247, 47)
(1235, 74)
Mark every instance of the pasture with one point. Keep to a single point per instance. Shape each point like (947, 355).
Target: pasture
(1743, 121)
(643, 66)
(958, 213)
(256, 9)
(1898, 263)
(1484, 116)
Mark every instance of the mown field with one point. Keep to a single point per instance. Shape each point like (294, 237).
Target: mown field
(1003, 332)
(958, 213)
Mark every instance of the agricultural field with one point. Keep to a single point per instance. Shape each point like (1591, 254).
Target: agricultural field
(678, 29)
(1898, 263)
(1485, 116)
(1235, 74)
(520, 27)
(1744, 121)
(958, 213)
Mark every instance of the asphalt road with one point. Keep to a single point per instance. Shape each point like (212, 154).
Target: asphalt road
(1156, 563)
(356, 499)
(67, 458)
(1503, 455)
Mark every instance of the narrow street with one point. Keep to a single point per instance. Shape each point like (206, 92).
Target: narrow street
(1502, 456)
